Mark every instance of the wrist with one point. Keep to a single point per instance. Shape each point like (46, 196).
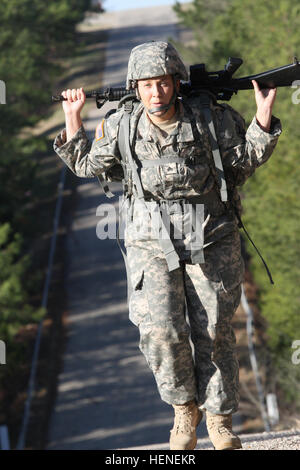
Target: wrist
(73, 115)
(263, 118)
(73, 123)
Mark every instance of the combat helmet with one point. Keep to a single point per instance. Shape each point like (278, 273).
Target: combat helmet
(154, 59)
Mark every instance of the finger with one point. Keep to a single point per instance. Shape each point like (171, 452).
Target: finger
(64, 94)
(271, 93)
(74, 94)
(255, 85)
(82, 95)
(69, 95)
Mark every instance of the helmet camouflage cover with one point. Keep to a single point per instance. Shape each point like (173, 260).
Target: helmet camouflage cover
(153, 59)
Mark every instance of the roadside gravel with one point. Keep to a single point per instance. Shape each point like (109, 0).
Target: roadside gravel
(280, 440)
(274, 440)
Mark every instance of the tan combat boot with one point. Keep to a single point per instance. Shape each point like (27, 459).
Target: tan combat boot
(183, 434)
(219, 429)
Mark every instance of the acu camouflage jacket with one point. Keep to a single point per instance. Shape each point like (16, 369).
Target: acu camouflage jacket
(241, 151)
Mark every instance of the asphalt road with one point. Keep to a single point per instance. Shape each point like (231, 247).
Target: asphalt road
(107, 397)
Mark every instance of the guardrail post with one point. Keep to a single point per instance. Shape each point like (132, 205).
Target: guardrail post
(4, 438)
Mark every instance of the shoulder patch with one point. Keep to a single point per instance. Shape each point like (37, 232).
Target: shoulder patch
(99, 132)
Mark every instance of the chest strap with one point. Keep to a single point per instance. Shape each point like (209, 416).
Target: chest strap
(163, 161)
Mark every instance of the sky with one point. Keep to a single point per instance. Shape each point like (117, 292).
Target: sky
(113, 5)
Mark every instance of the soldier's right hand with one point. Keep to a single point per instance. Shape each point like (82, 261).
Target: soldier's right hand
(74, 102)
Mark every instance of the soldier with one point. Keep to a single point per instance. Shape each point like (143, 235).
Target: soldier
(182, 160)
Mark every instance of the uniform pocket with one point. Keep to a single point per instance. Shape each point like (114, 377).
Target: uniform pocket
(229, 295)
(232, 276)
(138, 303)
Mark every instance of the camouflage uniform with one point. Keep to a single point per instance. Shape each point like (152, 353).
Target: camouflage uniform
(209, 289)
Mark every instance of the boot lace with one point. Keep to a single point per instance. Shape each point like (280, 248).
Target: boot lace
(183, 419)
(223, 426)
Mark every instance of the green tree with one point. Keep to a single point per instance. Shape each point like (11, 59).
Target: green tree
(14, 307)
(33, 36)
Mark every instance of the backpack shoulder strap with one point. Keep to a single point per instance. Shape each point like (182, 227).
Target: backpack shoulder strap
(100, 177)
(205, 101)
(125, 148)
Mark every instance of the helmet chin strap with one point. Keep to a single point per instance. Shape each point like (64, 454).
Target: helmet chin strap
(163, 107)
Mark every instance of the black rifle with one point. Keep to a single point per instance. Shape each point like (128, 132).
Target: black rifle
(220, 83)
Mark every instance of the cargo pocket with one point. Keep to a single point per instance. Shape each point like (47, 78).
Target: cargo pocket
(230, 282)
(232, 276)
(138, 303)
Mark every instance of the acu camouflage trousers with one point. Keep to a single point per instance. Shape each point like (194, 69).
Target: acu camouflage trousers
(184, 318)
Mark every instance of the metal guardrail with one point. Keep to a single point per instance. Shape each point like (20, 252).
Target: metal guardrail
(4, 438)
(22, 436)
(269, 413)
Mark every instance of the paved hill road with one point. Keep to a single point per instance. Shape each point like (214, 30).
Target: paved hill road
(106, 397)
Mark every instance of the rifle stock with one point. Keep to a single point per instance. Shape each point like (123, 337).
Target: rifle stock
(220, 83)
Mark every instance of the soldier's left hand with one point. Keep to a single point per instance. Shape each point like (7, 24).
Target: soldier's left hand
(264, 98)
